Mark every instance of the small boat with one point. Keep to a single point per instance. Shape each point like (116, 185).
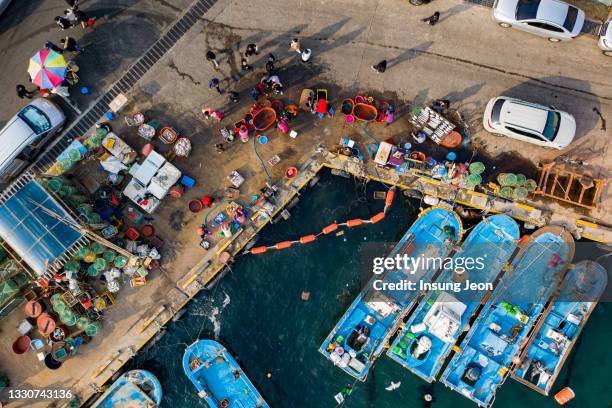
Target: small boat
(264, 118)
(218, 378)
(561, 324)
(425, 342)
(134, 389)
(364, 112)
(499, 332)
(360, 336)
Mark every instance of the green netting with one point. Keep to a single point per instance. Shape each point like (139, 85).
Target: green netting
(93, 329)
(94, 218)
(506, 179)
(56, 298)
(75, 155)
(97, 248)
(82, 323)
(477, 168)
(54, 184)
(68, 190)
(474, 179)
(84, 209)
(72, 266)
(92, 271)
(8, 290)
(520, 179)
(59, 307)
(99, 264)
(520, 193)
(9, 268)
(506, 192)
(68, 317)
(21, 279)
(109, 256)
(120, 261)
(82, 252)
(530, 185)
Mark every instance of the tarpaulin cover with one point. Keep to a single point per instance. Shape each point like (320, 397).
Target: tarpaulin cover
(36, 226)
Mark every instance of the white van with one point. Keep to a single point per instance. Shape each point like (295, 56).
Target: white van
(25, 134)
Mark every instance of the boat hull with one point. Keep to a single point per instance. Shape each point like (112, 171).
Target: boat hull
(135, 388)
(345, 346)
(218, 378)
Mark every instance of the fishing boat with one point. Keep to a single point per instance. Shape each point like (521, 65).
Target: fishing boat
(218, 378)
(425, 341)
(363, 331)
(499, 333)
(134, 389)
(563, 320)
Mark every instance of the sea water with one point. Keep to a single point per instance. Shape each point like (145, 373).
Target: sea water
(256, 311)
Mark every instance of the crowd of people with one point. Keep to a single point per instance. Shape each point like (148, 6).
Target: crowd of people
(69, 48)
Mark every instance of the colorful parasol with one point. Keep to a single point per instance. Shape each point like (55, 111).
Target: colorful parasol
(47, 69)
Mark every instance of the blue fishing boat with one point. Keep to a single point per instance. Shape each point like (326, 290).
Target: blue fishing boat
(426, 339)
(564, 319)
(218, 378)
(363, 331)
(499, 333)
(134, 389)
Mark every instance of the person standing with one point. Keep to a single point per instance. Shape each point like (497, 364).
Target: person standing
(63, 23)
(381, 67)
(72, 3)
(233, 96)
(433, 19)
(214, 83)
(22, 92)
(244, 64)
(295, 45)
(270, 63)
(71, 45)
(52, 47)
(212, 58)
(306, 54)
(251, 49)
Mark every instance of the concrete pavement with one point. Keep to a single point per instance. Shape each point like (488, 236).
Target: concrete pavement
(123, 31)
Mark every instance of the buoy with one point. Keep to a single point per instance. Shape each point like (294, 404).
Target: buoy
(389, 198)
(307, 239)
(259, 250)
(377, 217)
(354, 223)
(524, 239)
(330, 228)
(283, 245)
(564, 396)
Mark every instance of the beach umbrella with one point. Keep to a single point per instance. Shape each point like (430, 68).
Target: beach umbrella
(47, 69)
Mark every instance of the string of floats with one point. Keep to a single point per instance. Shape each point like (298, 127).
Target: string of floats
(306, 239)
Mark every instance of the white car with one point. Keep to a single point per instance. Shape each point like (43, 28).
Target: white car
(556, 20)
(605, 38)
(529, 122)
(26, 133)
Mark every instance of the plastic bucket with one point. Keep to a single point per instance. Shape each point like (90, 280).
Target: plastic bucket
(93, 329)
(477, 168)
(92, 271)
(59, 307)
(22, 344)
(109, 256)
(195, 206)
(520, 193)
(506, 192)
(99, 264)
(520, 179)
(82, 323)
(97, 248)
(530, 185)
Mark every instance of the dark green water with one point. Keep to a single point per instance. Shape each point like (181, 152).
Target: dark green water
(257, 313)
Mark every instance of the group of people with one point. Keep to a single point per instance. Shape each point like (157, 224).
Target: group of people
(74, 16)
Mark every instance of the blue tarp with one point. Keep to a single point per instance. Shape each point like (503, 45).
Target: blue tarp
(36, 226)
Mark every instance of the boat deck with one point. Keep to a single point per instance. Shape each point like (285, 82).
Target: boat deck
(361, 334)
(441, 316)
(562, 323)
(134, 389)
(498, 333)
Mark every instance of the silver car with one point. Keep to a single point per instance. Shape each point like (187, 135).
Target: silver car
(556, 20)
(529, 122)
(605, 38)
(26, 133)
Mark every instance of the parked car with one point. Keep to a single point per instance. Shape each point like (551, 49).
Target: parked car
(529, 122)
(26, 133)
(554, 19)
(605, 38)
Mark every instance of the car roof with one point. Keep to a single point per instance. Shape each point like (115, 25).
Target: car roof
(15, 135)
(553, 11)
(524, 115)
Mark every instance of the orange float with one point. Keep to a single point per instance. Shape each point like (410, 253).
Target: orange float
(354, 223)
(283, 245)
(389, 198)
(378, 217)
(307, 239)
(564, 396)
(259, 250)
(330, 228)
